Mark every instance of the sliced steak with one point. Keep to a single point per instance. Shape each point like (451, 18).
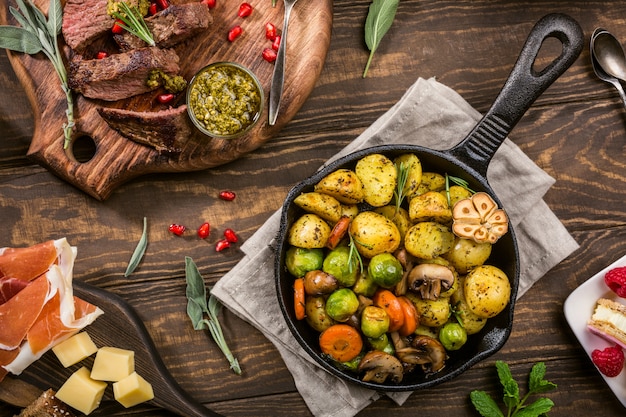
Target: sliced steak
(167, 130)
(120, 76)
(84, 21)
(170, 26)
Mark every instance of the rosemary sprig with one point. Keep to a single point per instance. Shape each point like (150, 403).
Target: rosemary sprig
(403, 175)
(133, 22)
(197, 306)
(38, 34)
(457, 181)
(354, 253)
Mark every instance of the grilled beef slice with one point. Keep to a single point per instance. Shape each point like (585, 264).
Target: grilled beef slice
(120, 76)
(170, 26)
(167, 130)
(84, 21)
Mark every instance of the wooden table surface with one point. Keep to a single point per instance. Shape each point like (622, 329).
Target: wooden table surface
(575, 131)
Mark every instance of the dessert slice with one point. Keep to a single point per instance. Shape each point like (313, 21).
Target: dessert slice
(609, 321)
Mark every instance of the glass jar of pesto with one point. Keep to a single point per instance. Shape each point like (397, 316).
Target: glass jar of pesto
(224, 100)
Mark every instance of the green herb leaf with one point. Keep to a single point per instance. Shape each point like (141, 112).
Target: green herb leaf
(134, 23)
(197, 306)
(139, 250)
(44, 33)
(379, 19)
(402, 174)
(517, 406)
(19, 40)
(485, 405)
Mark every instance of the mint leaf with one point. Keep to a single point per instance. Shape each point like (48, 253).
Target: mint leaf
(536, 383)
(485, 405)
(536, 409)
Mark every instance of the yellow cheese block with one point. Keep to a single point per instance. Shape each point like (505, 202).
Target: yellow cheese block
(113, 364)
(81, 392)
(75, 349)
(132, 390)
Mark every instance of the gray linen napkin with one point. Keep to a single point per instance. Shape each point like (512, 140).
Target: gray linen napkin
(431, 115)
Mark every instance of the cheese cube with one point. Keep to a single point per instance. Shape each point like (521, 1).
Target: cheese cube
(75, 349)
(81, 392)
(113, 364)
(132, 390)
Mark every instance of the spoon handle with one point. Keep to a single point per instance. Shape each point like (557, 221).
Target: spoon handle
(620, 90)
(278, 77)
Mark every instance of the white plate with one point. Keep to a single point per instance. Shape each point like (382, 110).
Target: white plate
(578, 309)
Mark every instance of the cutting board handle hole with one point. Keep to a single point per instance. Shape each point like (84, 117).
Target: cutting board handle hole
(83, 148)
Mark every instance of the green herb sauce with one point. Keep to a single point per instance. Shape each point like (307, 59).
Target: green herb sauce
(173, 84)
(141, 5)
(224, 100)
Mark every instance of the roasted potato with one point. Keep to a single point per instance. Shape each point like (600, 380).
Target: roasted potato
(349, 210)
(309, 231)
(344, 185)
(378, 175)
(431, 181)
(432, 313)
(399, 217)
(487, 291)
(316, 316)
(467, 254)
(373, 234)
(471, 322)
(428, 240)
(430, 206)
(456, 193)
(324, 205)
(414, 175)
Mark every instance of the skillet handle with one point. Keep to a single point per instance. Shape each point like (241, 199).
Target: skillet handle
(523, 86)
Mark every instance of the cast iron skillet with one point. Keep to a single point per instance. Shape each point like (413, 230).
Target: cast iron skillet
(468, 160)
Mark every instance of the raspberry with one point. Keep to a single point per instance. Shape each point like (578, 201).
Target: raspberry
(615, 279)
(609, 361)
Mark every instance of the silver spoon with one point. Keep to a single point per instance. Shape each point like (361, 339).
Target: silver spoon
(278, 77)
(606, 55)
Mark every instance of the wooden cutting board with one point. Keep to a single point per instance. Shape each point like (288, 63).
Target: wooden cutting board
(116, 159)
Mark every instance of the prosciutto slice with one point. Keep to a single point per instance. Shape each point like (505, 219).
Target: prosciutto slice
(45, 311)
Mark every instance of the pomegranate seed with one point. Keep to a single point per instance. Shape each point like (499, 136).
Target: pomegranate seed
(210, 3)
(276, 43)
(227, 195)
(234, 33)
(204, 230)
(165, 98)
(163, 4)
(117, 29)
(269, 54)
(245, 10)
(177, 229)
(152, 10)
(221, 245)
(270, 31)
(102, 55)
(230, 236)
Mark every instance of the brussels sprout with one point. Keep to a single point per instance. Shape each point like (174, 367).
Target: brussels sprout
(452, 336)
(365, 285)
(339, 264)
(382, 343)
(374, 321)
(342, 304)
(299, 261)
(385, 270)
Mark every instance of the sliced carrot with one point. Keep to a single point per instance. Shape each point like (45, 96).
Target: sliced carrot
(298, 298)
(342, 342)
(339, 231)
(411, 318)
(389, 302)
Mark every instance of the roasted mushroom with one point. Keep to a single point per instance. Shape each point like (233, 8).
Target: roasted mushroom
(430, 280)
(380, 367)
(431, 354)
(479, 218)
(318, 282)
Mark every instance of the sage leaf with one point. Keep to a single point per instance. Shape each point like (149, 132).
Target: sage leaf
(55, 17)
(197, 306)
(19, 40)
(379, 19)
(140, 250)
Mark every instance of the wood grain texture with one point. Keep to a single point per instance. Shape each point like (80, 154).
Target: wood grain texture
(117, 159)
(576, 131)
